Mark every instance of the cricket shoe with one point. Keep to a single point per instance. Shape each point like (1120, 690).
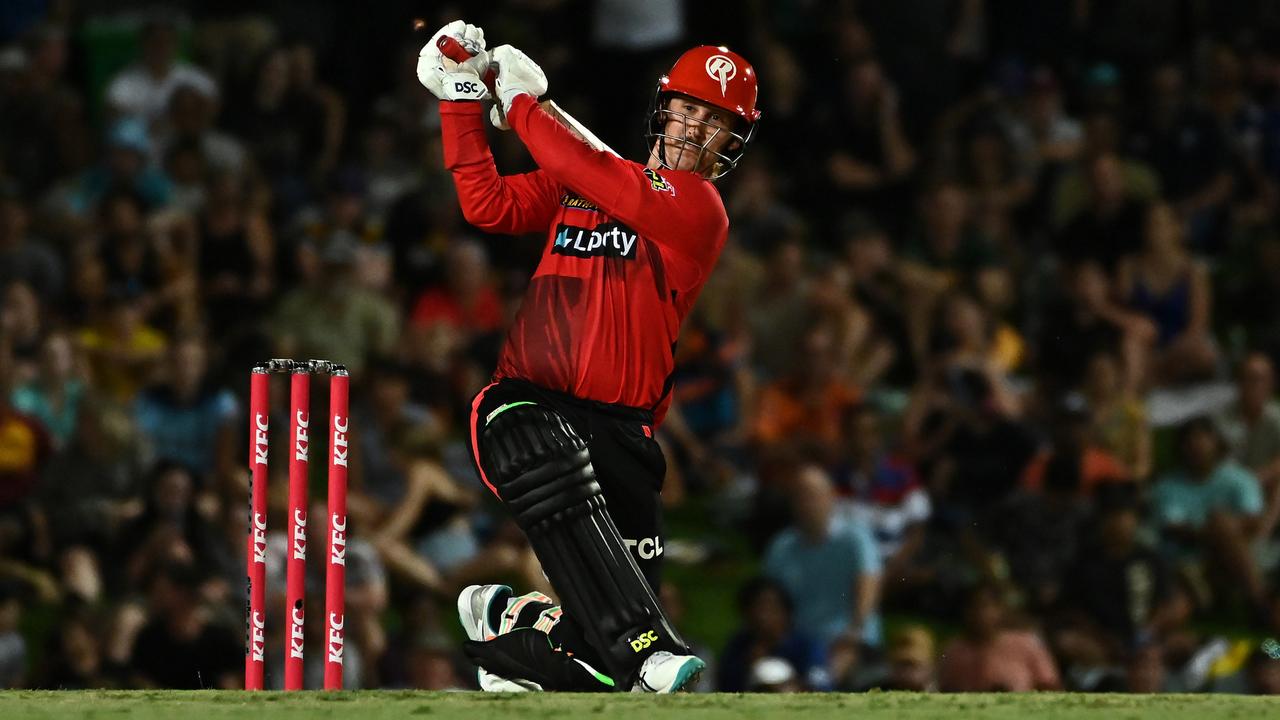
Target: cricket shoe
(663, 672)
(480, 609)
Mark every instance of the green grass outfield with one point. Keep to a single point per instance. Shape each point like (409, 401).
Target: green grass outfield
(372, 705)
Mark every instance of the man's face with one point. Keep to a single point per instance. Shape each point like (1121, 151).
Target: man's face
(700, 125)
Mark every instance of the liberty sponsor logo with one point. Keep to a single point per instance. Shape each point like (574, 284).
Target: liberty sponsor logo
(573, 201)
(338, 540)
(301, 438)
(335, 637)
(607, 240)
(659, 183)
(298, 617)
(340, 440)
(721, 69)
(299, 534)
(260, 439)
(646, 548)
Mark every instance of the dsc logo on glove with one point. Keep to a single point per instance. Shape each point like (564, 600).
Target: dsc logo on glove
(466, 87)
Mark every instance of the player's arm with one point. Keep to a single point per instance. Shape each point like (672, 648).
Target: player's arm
(514, 205)
(619, 187)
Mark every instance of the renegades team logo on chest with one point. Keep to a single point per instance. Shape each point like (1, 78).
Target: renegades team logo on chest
(607, 240)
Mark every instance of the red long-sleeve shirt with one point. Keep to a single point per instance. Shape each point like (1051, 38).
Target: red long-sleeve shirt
(628, 249)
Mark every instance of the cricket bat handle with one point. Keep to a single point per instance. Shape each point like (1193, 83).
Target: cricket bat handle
(452, 49)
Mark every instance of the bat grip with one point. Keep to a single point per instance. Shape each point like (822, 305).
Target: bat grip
(452, 49)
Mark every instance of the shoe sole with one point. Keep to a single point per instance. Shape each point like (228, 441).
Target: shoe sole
(688, 675)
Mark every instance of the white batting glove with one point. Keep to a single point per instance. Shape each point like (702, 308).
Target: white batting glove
(433, 66)
(517, 75)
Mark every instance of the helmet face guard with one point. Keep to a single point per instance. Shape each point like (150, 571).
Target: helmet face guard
(658, 138)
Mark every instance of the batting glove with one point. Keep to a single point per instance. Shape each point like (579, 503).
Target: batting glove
(448, 80)
(517, 75)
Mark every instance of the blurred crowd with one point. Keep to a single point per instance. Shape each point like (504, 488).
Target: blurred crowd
(983, 385)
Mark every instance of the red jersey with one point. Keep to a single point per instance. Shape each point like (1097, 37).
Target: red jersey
(628, 250)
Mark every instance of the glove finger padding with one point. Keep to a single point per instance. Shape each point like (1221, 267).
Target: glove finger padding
(432, 64)
(517, 75)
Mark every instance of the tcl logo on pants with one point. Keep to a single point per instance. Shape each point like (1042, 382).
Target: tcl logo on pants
(645, 548)
(644, 640)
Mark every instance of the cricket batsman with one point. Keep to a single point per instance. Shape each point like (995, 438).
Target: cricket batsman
(564, 435)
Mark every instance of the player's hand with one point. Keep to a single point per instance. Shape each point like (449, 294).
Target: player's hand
(433, 66)
(517, 75)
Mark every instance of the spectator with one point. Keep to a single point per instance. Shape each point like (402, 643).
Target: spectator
(1119, 596)
(776, 311)
(236, 256)
(872, 153)
(1076, 452)
(121, 349)
(125, 169)
(947, 253)
(23, 258)
(1118, 419)
(767, 631)
(1187, 148)
(1084, 322)
(190, 112)
(829, 565)
(22, 319)
(76, 660)
(331, 317)
(878, 287)
(971, 449)
(1170, 289)
(1110, 226)
(809, 402)
(56, 396)
(143, 89)
(1039, 527)
(990, 657)
(186, 419)
(1251, 426)
(1208, 510)
(883, 491)
(181, 647)
(912, 661)
(468, 299)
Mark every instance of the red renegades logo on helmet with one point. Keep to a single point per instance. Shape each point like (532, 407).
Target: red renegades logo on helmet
(721, 69)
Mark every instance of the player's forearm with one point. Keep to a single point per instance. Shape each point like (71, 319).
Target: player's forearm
(485, 198)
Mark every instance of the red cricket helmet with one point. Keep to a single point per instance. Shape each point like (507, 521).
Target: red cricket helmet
(717, 76)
